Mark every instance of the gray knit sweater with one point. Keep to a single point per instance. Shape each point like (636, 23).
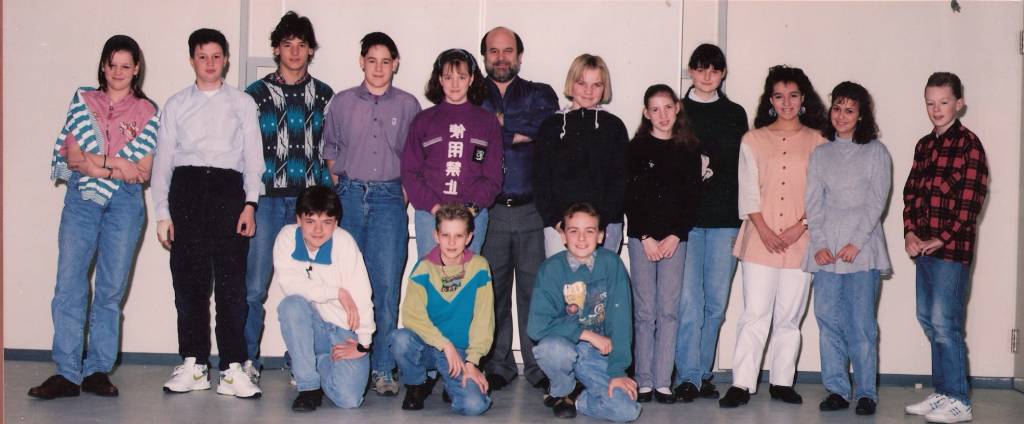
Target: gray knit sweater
(847, 190)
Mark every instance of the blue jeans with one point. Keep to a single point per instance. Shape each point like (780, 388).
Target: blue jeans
(272, 214)
(425, 225)
(707, 278)
(564, 362)
(942, 288)
(656, 287)
(110, 234)
(844, 306)
(309, 340)
(415, 358)
(375, 215)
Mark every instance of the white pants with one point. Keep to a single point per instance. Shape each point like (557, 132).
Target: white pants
(769, 291)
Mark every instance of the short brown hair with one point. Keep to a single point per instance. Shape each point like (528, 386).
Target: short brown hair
(453, 212)
(582, 207)
(588, 61)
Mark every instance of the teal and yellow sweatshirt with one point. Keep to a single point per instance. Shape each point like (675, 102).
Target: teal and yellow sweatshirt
(567, 301)
(451, 303)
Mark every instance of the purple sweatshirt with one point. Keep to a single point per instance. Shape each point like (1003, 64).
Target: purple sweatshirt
(452, 154)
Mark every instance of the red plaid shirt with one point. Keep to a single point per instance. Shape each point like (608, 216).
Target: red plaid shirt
(945, 191)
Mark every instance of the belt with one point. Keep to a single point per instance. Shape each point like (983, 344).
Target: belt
(513, 201)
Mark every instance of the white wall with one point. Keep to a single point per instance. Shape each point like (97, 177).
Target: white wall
(45, 59)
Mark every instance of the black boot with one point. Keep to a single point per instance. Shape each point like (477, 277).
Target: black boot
(833, 402)
(734, 397)
(687, 392)
(415, 394)
(785, 394)
(308, 400)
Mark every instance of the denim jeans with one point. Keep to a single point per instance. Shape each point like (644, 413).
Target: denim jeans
(565, 362)
(309, 340)
(844, 306)
(415, 358)
(553, 241)
(375, 215)
(272, 214)
(707, 278)
(942, 288)
(425, 225)
(656, 287)
(110, 234)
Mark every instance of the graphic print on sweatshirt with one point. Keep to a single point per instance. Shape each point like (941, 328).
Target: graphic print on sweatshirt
(587, 303)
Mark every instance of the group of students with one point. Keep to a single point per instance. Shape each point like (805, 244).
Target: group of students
(494, 170)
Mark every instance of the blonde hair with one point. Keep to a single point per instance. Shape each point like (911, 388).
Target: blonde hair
(588, 61)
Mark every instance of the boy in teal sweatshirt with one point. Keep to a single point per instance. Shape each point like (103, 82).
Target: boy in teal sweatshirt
(448, 316)
(581, 318)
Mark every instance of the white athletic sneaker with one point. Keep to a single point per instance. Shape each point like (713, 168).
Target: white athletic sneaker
(953, 411)
(187, 377)
(251, 371)
(925, 407)
(234, 382)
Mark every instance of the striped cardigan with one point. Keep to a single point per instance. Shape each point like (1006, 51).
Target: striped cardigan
(83, 126)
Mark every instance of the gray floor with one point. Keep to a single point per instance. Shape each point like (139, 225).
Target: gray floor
(142, 401)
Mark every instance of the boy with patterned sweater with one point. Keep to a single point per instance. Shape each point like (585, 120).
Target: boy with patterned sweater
(449, 318)
(291, 106)
(581, 318)
(326, 315)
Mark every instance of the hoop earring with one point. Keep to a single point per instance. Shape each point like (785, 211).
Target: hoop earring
(772, 113)
(802, 110)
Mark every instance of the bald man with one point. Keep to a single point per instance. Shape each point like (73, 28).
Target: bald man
(515, 235)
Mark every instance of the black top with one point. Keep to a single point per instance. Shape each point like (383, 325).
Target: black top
(661, 195)
(719, 126)
(580, 157)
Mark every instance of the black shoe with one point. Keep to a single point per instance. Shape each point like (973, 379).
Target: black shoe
(564, 407)
(99, 384)
(785, 394)
(644, 397)
(308, 400)
(664, 397)
(865, 406)
(495, 381)
(708, 390)
(833, 402)
(544, 384)
(687, 392)
(734, 397)
(415, 394)
(54, 387)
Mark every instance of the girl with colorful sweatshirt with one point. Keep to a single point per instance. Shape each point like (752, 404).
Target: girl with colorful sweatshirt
(453, 150)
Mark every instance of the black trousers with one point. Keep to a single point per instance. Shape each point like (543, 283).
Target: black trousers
(208, 254)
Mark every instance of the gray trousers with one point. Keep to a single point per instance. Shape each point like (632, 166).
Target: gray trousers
(656, 289)
(514, 246)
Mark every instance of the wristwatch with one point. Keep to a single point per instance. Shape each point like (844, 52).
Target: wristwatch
(253, 204)
(361, 348)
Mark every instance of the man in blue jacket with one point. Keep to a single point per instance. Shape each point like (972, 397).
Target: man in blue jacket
(515, 234)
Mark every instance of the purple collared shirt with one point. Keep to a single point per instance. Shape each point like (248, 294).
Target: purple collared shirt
(364, 134)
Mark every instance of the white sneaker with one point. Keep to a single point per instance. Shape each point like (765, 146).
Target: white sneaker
(953, 411)
(187, 377)
(234, 382)
(925, 407)
(251, 371)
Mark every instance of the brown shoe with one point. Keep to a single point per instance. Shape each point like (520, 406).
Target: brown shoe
(54, 387)
(100, 384)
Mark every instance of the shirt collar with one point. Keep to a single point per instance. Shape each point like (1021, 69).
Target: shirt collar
(323, 255)
(366, 94)
(953, 132)
(434, 256)
(276, 78)
(574, 264)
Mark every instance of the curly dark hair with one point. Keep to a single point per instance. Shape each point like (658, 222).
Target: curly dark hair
(866, 129)
(814, 108)
(456, 58)
(681, 132)
(291, 26)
